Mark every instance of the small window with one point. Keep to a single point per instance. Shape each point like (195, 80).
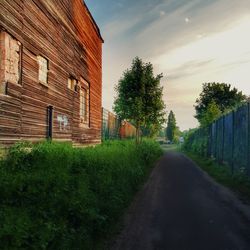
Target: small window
(10, 60)
(43, 70)
(84, 103)
(72, 84)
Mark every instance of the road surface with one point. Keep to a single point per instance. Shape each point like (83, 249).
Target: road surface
(182, 208)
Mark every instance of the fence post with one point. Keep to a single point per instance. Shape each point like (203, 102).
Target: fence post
(223, 139)
(233, 142)
(108, 126)
(248, 139)
(209, 141)
(213, 141)
(216, 142)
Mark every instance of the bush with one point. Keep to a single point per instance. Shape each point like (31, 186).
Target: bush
(55, 197)
(197, 141)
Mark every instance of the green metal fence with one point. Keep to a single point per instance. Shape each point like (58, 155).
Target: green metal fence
(110, 125)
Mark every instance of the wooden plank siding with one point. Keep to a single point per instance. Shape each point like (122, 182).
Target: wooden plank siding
(64, 33)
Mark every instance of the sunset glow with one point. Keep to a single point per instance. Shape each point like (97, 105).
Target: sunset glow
(190, 43)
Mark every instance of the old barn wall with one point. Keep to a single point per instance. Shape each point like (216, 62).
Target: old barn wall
(65, 34)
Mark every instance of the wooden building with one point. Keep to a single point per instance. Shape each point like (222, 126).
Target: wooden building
(50, 72)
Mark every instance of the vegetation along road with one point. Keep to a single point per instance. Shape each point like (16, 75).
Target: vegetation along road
(180, 207)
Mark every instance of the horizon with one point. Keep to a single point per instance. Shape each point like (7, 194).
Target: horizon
(195, 47)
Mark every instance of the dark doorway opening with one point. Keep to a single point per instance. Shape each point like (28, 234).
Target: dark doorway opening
(50, 122)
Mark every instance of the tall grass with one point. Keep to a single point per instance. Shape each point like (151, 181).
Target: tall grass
(55, 197)
(238, 182)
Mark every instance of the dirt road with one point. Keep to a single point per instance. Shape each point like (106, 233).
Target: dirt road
(181, 208)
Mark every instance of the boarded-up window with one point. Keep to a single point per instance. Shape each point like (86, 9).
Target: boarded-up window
(72, 83)
(43, 70)
(84, 103)
(10, 60)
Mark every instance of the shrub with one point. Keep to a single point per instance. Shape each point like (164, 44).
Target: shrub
(55, 197)
(197, 141)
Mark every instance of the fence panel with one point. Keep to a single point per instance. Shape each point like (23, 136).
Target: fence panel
(241, 139)
(228, 139)
(114, 128)
(127, 130)
(105, 125)
(220, 139)
(213, 143)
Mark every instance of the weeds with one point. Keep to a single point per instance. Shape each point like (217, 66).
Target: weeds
(238, 182)
(55, 197)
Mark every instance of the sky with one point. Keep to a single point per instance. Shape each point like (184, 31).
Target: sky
(190, 41)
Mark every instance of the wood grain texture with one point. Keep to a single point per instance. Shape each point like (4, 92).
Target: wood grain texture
(64, 33)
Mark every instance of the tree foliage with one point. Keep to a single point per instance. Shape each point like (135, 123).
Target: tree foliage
(139, 97)
(217, 98)
(171, 126)
(211, 114)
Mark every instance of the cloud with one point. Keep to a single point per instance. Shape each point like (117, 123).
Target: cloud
(188, 69)
(214, 48)
(162, 13)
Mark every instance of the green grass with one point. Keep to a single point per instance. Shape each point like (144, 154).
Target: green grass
(2, 153)
(53, 196)
(239, 183)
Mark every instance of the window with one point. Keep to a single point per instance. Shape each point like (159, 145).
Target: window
(43, 70)
(72, 84)
(10, 60)
(84, 103)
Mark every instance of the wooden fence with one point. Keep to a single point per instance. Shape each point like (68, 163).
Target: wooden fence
(227, 140)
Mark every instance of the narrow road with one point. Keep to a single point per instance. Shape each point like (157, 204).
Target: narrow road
(181, 208)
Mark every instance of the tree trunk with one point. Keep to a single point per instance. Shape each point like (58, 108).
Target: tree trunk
(138, 133)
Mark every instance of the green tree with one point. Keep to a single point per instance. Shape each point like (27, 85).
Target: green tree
(211, 114)
(139, 97)
(177, 135)
(162, 133)
(221, 95)
(171, 126)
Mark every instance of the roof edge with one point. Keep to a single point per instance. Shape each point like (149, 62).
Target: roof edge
(94, 22)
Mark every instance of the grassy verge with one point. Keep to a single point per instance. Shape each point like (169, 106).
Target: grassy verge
(57, 197)
(238, 182)
(2, 153)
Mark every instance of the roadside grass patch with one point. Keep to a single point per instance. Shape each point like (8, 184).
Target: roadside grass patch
(237, 182)
(53, 196)
(2, 153)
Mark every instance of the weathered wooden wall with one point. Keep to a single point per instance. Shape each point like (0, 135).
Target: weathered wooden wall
(65, 33)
